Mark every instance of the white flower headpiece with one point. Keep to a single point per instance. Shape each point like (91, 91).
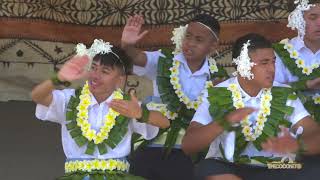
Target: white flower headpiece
(98, 47)
(295, 18)
(178, 35)
(244, 63)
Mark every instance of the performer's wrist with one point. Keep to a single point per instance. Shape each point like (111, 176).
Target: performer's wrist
(145, 113)
(57, 82)
(226, 125)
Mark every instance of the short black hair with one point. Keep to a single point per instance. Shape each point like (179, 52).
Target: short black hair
(257, 41)
(117, 58)
(209, 21)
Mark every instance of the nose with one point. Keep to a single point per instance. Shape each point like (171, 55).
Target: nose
(95, 74)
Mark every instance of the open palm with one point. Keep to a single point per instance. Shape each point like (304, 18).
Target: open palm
(74, 69)
(132, 31)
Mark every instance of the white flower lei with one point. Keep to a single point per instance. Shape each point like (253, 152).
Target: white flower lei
(244, 63)
(82, 117)
(252, 132)
(91, 165)
(177, 38)
(316, 98)
(307, 70)
(296, 19)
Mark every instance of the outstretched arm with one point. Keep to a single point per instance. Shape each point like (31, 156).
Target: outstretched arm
(70, 71)
(130, 36)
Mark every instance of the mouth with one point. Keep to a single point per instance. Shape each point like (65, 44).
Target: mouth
(187, 52)
(93, 84)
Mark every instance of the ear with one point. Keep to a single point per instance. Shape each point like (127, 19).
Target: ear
(213, 47)
(121, 82)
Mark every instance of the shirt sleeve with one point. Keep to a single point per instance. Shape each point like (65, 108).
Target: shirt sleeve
(146, 130)
(56, 111)
(150, 69)
(202, 114)
(299, 111)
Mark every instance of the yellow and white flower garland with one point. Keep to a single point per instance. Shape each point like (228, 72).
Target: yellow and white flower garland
(162, 108)
(316, 98)
(251, 133)
(82, 117)
(307, 70)
(175, 81)
(91, 165)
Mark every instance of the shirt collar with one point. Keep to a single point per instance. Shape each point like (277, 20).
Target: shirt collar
(94, 101)
(298, 43)
(203, 70)
(245, 96)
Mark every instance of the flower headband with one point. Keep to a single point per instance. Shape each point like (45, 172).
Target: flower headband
(244, 63)
(295, 18)
(98, 47)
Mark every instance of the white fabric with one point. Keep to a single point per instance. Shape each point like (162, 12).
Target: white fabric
(203, 116)
(283, 75)
(56, 113)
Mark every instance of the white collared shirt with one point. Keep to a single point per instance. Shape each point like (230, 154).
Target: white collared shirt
(203, 116)
(283, 75)
(56, 112)
(192, 83)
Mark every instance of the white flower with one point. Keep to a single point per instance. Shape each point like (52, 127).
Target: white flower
(296, 19)
(316, 98)
(177, 38)
(251, 133)
(307, 70)
(244, 63)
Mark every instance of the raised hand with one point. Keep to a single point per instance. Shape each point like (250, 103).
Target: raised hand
(132, 31)
(283, 144)
(238, 115)
(127, 108)
(74, 69)
(314, 84)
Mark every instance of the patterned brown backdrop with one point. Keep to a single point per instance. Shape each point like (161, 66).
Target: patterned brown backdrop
(36, 35)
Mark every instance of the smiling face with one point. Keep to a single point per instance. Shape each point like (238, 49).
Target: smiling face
(103, 80)
(264, 69)
(198, 42)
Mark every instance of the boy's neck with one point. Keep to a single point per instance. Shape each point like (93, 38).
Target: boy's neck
(247, 85)
(102, 97)
(195, 65)
(313, 45)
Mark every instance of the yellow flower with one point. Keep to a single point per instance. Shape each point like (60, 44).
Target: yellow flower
(239, 104)
(300, 63)
(288, 46)
(232, 87)
(90, 134)
(237, 95)
(294, 54)
(316, 99)
(306, 71)
(213, 68)
(266, 111)
(246, 130)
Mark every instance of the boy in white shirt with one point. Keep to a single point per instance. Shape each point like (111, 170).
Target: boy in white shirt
(241, 145)
(179, 78)
(96, 120)
(298, 59)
